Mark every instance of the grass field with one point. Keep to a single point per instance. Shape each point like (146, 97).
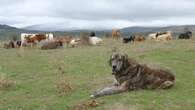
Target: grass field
(36, 73)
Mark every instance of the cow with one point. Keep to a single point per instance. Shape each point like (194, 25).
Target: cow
(139, 38)
(160, 36)
(74, 42)
(49, 36)
(34, 38)
(18, 43)
(129, 39)
(95, 40)
(51, 45)
(92, 34)
(134, 38)
(186, 35)
(116, 34)
(152, 36)
(165, 36)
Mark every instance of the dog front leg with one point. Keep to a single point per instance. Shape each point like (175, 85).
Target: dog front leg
(115, 83)
(110, 90)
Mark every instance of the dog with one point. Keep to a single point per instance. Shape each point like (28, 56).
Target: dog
(131, 75)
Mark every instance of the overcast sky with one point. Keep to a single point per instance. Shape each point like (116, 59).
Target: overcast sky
(87, 14)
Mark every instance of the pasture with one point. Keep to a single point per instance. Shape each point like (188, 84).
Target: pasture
(36, 73)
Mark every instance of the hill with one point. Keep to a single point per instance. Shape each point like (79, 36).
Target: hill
(175, 29)
(6, 32)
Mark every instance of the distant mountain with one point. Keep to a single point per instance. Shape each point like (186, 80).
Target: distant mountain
(43, 27)
(7, 27)
(6, 31)
(137, 29)
(174, 29)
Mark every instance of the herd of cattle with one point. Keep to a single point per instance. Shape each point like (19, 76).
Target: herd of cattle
(48, 41)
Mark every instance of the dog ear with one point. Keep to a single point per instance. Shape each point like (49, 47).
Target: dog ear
(125, 60)
(125, 56)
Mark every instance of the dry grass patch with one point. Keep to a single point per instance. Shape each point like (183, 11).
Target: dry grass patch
(120, 106)
(6, 83)
(86, 105)
(63, 86)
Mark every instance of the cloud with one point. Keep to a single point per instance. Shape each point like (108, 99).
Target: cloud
(79, 14)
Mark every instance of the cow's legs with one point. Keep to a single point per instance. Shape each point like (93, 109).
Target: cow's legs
(110, 90)
(21, 44)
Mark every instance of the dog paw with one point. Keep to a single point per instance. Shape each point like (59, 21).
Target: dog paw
(92, 96)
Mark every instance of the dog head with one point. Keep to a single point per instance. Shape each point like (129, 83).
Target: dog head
(118, 62)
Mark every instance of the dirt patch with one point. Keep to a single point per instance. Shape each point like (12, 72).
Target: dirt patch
(63, 86)
(86, 105)
(120, 106)
(6, 83)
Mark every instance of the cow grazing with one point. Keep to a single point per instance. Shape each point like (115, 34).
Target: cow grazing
(186, 35)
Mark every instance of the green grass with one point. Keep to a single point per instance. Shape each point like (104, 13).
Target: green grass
(86, 68)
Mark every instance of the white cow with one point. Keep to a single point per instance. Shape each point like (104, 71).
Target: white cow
(95, 40)
(49, 36)
(160, 36)
(23, 35)
(152, 36)
(166, 36)
(75, 42)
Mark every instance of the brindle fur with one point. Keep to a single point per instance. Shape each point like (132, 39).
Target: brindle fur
(131, 75)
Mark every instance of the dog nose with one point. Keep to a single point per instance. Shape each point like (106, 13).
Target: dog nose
(114, 66)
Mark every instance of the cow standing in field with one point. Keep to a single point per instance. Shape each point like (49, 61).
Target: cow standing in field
(34, 38)
(116, 34)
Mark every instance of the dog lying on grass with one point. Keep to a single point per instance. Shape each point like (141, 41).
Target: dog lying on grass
(131, 75)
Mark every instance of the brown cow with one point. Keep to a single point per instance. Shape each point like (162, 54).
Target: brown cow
(116, 34)
(139, 38)
(32, 38)
(35, 38)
